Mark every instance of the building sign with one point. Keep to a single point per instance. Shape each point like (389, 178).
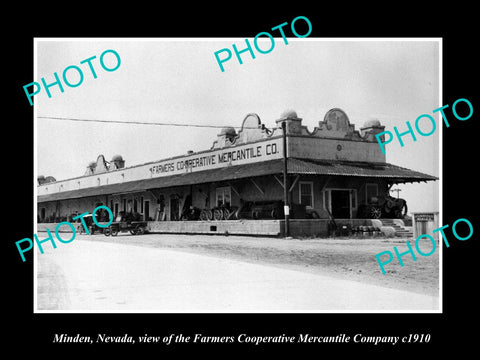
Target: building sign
(424, 217)
(238, 155)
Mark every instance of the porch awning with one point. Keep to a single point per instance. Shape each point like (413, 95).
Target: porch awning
(394, 174)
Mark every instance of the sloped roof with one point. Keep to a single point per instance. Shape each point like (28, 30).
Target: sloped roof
(356, 169)
(394, 174)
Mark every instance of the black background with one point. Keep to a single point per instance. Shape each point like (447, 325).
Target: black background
(455, 329)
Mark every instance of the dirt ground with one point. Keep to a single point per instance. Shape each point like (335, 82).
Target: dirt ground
(351, 259)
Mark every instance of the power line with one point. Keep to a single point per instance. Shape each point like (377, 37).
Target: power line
(384, 116)
(140, 122)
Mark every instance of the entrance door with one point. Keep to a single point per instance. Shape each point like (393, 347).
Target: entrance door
(174, 209)
(147, 210)
(341, 204)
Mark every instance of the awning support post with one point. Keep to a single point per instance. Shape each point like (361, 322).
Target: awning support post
(257, 186)
(294, 183)
(278, 180)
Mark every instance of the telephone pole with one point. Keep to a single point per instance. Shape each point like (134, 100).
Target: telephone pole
(286, 207)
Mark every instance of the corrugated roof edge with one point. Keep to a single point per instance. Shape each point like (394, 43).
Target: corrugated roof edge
(271, 167)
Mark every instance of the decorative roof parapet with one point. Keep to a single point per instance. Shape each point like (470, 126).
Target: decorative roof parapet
(335, 124)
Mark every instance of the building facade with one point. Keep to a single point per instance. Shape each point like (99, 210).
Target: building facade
(334, 173)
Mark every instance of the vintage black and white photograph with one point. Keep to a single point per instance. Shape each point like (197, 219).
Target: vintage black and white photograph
(226, 175)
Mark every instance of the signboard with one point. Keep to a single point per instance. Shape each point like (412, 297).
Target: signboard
(424, 217)
(237, 155)
(206, 160)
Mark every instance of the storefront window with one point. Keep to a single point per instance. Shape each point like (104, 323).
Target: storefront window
(371, 192)
(227, 199)
(224, 196)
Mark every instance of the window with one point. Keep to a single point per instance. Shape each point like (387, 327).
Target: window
(135, 205)
(98, 181)
(141, 205)
(224, 196)
(306, 193)
(371, 191)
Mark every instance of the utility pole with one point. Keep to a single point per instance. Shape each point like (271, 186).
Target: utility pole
(286, 207)
(396, 190)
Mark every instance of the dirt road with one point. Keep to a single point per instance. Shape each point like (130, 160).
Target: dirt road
(352, 259)
(212, 273)
(98, 275)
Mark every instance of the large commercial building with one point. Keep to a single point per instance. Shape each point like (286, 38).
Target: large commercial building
(334, 174)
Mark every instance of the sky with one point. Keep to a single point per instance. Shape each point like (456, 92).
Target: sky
(179, 81)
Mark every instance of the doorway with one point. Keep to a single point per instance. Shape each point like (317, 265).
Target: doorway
(147, 210)
(174, 208)
(340, 204)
